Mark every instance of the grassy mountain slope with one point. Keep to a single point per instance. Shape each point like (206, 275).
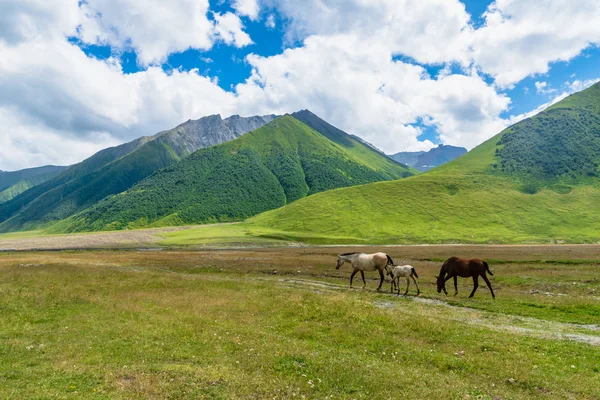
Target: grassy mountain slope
(535, 181)
(114, 170)
(360, 149)
(16, 182)
(275, 165)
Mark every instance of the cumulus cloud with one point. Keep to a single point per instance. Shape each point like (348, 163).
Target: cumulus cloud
(230, 29)
(22, 20)
(430, 31)
(247, 8)
(153, 28)
(522, 38)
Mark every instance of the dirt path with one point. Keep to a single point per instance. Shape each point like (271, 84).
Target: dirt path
(430, 308)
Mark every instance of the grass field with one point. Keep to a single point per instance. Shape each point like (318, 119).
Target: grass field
(282, 323)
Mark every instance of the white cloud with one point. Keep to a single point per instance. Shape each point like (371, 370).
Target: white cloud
(270, 21)
(28, 142)
(230, 29)
(247, 8)
(543, 88)
(154, 28)
(430, 31)
(577, 85)
(521, 38)
(371, 95)
(22, 20)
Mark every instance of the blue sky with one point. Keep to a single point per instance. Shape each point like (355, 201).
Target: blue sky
(402, 78)
(227, 63)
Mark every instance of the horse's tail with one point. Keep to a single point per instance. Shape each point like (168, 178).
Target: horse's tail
(414, 272)
(390, 261)
(487, 268)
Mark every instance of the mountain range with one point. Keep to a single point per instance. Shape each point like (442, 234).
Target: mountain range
(299, 178)
(426, 160)
(313, 156)
(290, 158)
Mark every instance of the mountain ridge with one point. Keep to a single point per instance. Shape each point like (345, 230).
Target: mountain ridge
(115, 169)
(277, 164)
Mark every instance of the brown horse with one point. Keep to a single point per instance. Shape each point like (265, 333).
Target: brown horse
(464, 267)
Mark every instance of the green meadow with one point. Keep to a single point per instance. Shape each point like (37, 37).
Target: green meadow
(283, 324)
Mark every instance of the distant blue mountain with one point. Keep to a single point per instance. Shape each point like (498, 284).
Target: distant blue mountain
(426, 160)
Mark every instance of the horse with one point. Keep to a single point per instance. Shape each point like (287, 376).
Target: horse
(404, 271)
(464, 267)
(365, 262)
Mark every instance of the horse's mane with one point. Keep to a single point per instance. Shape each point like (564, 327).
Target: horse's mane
(348, 254)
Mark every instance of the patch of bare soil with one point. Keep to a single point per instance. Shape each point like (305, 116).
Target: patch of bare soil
(101, 240)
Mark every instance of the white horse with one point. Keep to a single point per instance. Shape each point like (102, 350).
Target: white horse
(403, 271)
(365, 262)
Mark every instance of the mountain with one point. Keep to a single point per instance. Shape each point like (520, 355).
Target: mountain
(16, 182)
(426, 160)
(116, 169)
(537, 181)
(277, 164)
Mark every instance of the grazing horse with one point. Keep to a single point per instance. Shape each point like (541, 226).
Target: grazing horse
(404, 271)
(365, 262)
(464, 267)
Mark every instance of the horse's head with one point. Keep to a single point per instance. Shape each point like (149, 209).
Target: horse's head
(388, 269)
(440, 284)
(339, 263)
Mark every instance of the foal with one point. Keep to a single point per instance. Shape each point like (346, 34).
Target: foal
(404, 271)
(464, 267)
(365, 262)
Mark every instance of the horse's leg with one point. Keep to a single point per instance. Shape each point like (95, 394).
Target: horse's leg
(475, 284)
(417, 285)
(381, 279)
(487, 281)
(407, 285)
(392, 285)
(397, 283)
(362, 273)
(446, 280)
(352, 276)
(455, 285)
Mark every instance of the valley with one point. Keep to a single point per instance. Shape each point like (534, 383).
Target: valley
(282, 322)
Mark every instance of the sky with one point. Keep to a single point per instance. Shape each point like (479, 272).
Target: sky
(77, 76)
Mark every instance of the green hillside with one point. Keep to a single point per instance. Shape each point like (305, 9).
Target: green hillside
(537, 181)
(16, 182)
(31, 206)
(114, 170)
(264, 169)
